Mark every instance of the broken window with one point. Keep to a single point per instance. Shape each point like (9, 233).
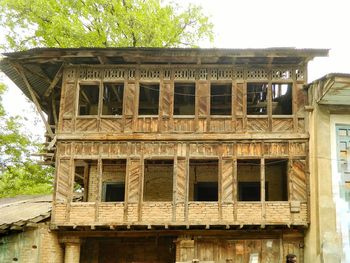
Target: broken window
(257, 98)
(248, 176)
(158, 180)
(276, 174)
(220, 99)
(113, 180)
(184, 99)
(113, 99)
(282, 99)
(84, 171)
(88, 99)
(203, 180)
(149, 99)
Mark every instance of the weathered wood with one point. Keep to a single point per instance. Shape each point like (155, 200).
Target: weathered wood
(54, 82)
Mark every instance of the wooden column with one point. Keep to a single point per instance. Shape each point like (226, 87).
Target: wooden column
(71, 249)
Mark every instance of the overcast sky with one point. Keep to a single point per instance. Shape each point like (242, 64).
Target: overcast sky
(269, 23)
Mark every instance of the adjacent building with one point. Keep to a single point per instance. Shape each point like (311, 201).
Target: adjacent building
(177, 155)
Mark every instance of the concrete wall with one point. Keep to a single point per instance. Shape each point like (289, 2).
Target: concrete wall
(322, 241)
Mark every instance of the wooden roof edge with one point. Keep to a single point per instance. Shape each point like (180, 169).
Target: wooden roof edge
(332, 75)
(308, 53)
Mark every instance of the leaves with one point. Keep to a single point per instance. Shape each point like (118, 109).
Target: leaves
(19, 173)
(102, 23)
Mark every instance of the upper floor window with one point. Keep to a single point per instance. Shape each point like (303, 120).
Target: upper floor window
(258, 98)
(113, 180)
(88, 99)
(282, 99)
(149, 99)
(220, 99)
(112, 99)
(184, 98)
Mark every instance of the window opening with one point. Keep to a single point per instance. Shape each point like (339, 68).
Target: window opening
(88, 99)
(276, 174)
(220, 99)
(257, 98)
(343, 157)
(184, 99)
(158, 180)
(203, 180)
(149, 99)
(113, 180)
(84, 172)
(113, 99)
(248, 176)
(282, 99)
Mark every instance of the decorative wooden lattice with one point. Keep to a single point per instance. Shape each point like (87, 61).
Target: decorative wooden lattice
(256, 74)
(90, 74)
(114, 74)
(203, 74)
(150, 74)
(70, 74)
(184, 74)
(299, 74)
(281, 74)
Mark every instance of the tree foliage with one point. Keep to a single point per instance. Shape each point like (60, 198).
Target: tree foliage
(102, 23)
(19, 173)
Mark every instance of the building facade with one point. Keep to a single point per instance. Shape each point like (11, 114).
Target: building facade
(328, 236)
(174, 155)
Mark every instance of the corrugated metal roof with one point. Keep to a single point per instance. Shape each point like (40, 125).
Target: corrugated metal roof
(16, 213)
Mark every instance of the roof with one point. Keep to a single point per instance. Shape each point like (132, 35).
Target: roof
(332, 89)
(21, 211)
(41, 65)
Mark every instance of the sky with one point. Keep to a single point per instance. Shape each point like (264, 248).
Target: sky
(263, 24)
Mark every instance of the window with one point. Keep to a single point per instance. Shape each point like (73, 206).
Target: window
(113, 192)
(113, 99)
(282, 99)
(113, 180)
(257, 98)
(276, 174)
(88, 99)
(248, 176)
(158, 180)
(149, 99)
(220, 99)
(203, 180)
(84, 171)
(184, 99)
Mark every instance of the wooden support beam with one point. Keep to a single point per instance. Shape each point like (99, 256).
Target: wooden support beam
(54, 82)
(20, 70)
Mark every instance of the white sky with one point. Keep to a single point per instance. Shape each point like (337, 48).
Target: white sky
(266, 23)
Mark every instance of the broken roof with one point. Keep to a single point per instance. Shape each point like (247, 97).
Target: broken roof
(41, 66)
(23, 211)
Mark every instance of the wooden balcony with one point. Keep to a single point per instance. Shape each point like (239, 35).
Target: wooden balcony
(170, 215)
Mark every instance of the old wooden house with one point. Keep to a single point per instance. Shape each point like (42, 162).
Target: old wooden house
(174, 155)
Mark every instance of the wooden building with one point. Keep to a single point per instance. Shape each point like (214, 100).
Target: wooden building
(174, 155)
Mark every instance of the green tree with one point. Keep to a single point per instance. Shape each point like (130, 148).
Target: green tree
(102, 23)
(19, 173)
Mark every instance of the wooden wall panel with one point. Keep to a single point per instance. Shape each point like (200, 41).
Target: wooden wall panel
(68, 101)
(111, 125)
(129, 97)
(166, 100)
(202, 96)
(63, 180)
(248, 149)
(181, 180)
(298, 178)
(134, 169)
(227, 180)
(239, 99)
(257, 124)
(89, 125)
(282, 125)
(301, 98)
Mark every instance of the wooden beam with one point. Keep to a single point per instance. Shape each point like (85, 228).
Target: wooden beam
(20, 70)
(54, 82)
